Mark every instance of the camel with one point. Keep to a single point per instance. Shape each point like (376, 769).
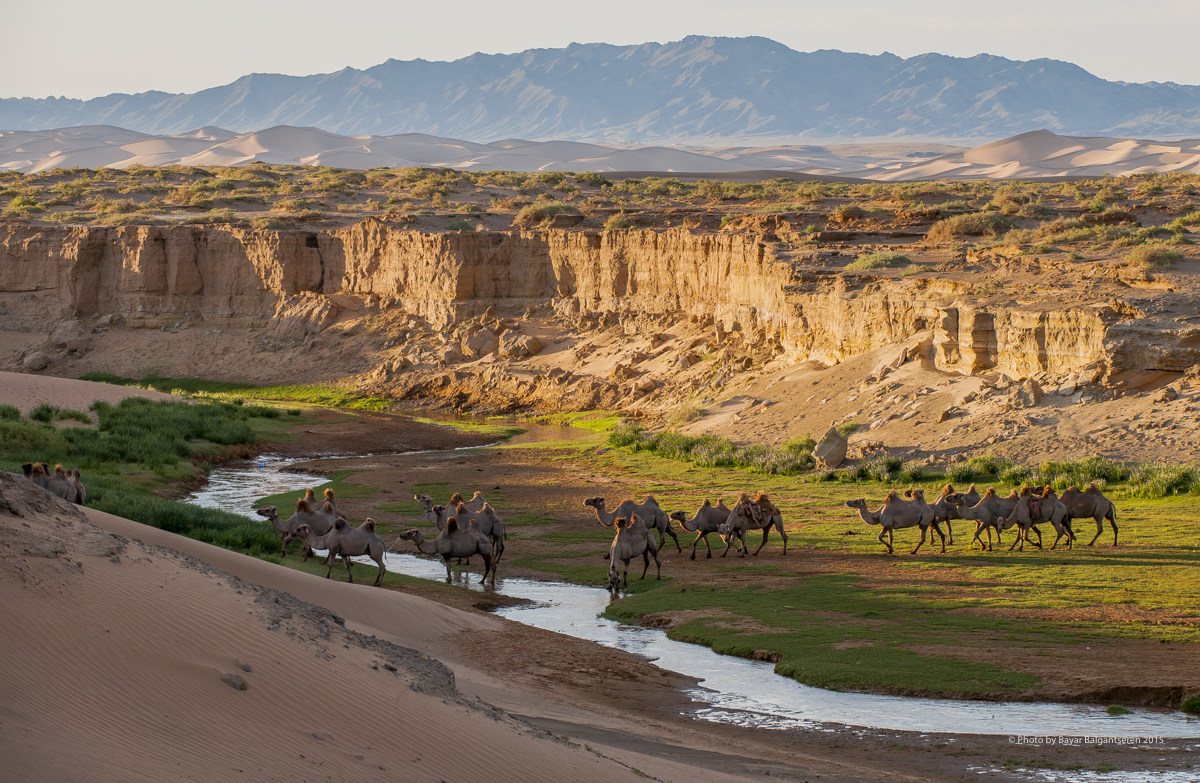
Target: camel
(310, 496)
(1090, 503)
(944, 510)
(319, 522)
(896, 514)
(454, 542)
(489, 523)
(56, 483)
(1033, 508)
(758, 514)
(475, 504)
(708, 519)
(985, 513)
(631, 540)
(347, 542)
(80, 490)
(652, 515)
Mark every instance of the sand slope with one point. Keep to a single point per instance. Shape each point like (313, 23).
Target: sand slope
(115, 650)
(29, 391)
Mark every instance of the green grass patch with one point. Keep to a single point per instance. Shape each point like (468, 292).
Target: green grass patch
(884, 260)
(498, 431)
(592, 575)
(711, 451)
(323, 394)
(598, 421)
(337, 482)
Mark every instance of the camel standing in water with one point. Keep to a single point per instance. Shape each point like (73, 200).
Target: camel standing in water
(897, 514)
(454, 542)
(631, 540)
(1091, 503)
(758, 514)
(707, 519)
(650, 512)
(485, 518)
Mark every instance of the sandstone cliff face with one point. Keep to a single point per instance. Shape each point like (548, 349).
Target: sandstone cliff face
(745, 282)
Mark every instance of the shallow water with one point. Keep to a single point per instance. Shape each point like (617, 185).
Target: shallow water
(734, 690)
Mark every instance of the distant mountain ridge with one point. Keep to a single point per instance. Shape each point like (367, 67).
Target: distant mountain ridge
(696, 89)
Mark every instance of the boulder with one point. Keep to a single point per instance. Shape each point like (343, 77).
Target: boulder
(36, 361)
(645, 384)
(113, 319)
(1167, 394)
(482, 343)
(516, 346)
(1067, 387)
(70, 336)
(302, 316)
(1027, 395)
(831, 449)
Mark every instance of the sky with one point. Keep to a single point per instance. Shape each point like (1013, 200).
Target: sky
(86, 48)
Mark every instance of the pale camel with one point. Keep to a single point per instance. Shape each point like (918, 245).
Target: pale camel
(310, 496)
(347, 542)
(454, 542)
(631, 540)
(985, 513)
(80, 490)
(746, 515)
(473, 505)
(55, 484)
(1037, 507)
(897, 514)
(944, 510)
(1091, 503)
(707, 519)
(320, 522)
(489, 523)
(651, 513)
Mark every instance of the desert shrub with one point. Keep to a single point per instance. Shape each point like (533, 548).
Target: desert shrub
(916, 269)
(684, 414)
(1013, 474)
(44, 412)
(1079, 473)
(25, 441)
(460, 225)
(845, 429)
(882, 260)
(727, 219)
(468, 209)
(592, 178)
(1158, 481)
(713, 451)
(1191, 705)
(9, 413)
(847, 212)
(536, 213)
(268, 224)
(617, 222)
(975, 223)
(912, 472)
(74, 415)
(1154, 257)
(961, 472)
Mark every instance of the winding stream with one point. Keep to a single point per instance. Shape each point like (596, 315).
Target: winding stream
(735, 690)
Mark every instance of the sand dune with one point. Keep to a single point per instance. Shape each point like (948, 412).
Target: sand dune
(1030, 155)
(29, 391)
(118, 655)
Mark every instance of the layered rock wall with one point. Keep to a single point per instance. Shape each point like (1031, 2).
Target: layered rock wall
(153, 274)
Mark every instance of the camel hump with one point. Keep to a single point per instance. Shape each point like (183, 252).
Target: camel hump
(455, 499)
(58, 468)
(27, 469)
(622, 522)
(310, 493)
(303, 505)
(369, 525)
(991, 492)
(461, 508)
(707, 504)
(328, 492)
(327, 507)
(1048, 491)
(474, 525)
(451, 525)
(477, 494)
(948, 490)
(890, 496)
(340, 524)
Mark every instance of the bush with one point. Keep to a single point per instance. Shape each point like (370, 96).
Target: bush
(1116, 710)
(845, 429)
(976, 223)
(912, 472)
(43, 413)
(712, 451)
(592, 178)
(617, 222)
(878, 261)
(960, 472)
(727, 219)
(847, 212)
(460, 225)
(1154, 257)
(69, 413)
(684, 414)
(9, 413)
(537, 213)
(1191, 705)
(268, 224)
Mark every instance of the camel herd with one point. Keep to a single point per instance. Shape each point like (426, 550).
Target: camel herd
(1023, 509)
(326, 528)
(64, 483)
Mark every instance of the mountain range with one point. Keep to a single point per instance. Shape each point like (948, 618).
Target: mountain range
(695, 90)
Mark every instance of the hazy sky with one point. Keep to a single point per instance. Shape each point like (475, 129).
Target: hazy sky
(85, 48)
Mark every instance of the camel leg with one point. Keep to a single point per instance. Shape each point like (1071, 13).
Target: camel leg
(382, 570)
(657, 566)
(1111, 516)
(949, 531)
(742, 548)
(697, 541)
(626, 574)
(783, 535)
(978, 530)
(283, 542)
(766, 532)
(938, 530)
(346, 562)
(1099, 529)
(488, 566)
(1039, 535)
(646, 561)
(891, 551)
(670, 533)
(879, 537)
(728, 543)
(446, 559)
(920, 543)
(329, 564)
(1020, 539)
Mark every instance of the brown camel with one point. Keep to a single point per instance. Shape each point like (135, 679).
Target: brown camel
(454, 542)
(707, 519)
(944, 510)
(746, 515)
(310, 496)
(489, 523)
(898, 514)
(631, 540)
(347, 542)
(1034, 508)
(80, 490)
(56, 483)
(985, 513)
(319, 522)
(473, 505)
(651, 513)
(1091, 503)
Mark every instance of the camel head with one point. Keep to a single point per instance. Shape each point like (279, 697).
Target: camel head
(724, 530)
(680, 516)
(857, 503)
(412, 534)
(303, 530)
(425, 501)
(270, 512)
(916, 494)
(594, 502)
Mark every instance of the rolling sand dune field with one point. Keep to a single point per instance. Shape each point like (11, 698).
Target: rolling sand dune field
(1033, 155)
